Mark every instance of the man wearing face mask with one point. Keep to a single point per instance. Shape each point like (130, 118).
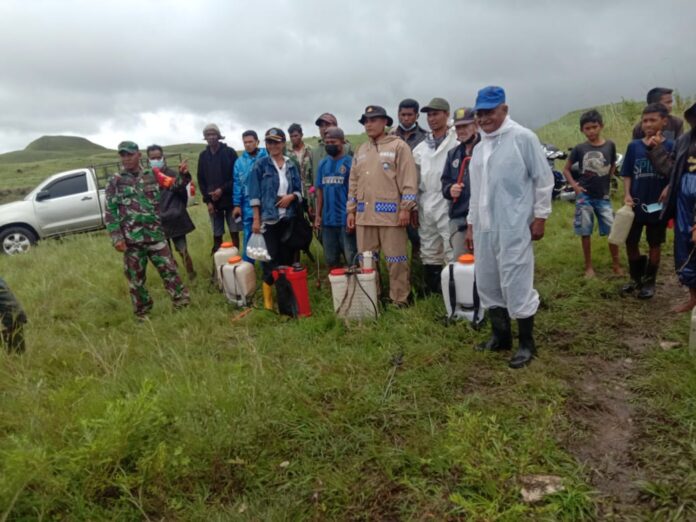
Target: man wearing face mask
(133, 222)
(412, 133)
(240, 198)
(430, 156)
(455, 177)
(408, 128)
(332, 194)
(323, 122)
(176, 221)
(511, 184)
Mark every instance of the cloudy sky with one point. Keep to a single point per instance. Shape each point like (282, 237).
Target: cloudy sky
(158, 71)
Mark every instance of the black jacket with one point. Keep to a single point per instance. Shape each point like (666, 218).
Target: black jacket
(217, 171)
(680, 154)
(173, 202)
(412, 138)
(455, 158)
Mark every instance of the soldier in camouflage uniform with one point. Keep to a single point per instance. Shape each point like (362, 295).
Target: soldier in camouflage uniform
(301, 154)
(132, 220)
(12, 320)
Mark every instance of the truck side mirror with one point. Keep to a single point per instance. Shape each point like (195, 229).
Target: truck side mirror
(43, 194)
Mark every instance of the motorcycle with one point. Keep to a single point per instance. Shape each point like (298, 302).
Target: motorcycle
(561, 188)
(552, 154)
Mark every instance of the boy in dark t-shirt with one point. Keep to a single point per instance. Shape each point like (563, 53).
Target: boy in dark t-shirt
(596, 159)
(645, 188)
(331, 184)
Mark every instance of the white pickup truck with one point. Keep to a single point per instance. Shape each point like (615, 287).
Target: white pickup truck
(65, 203)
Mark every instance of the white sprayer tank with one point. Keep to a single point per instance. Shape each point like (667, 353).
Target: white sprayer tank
(354, 293)
(220, 258)
(623, 219)
(238, 280)
(463, 278)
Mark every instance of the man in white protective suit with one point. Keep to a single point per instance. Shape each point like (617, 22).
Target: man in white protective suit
(430, 156)
(511, 184)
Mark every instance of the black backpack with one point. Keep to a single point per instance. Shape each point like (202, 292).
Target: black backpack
(287, 302)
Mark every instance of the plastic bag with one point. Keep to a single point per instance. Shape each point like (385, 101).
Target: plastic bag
(256, 248)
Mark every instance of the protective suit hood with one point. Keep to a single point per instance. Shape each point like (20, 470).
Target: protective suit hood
(508, 124)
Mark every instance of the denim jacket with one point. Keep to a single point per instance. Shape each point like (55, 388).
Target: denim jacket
(262, 188)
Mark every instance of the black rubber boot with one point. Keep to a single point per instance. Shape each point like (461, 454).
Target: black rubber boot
(647, 289)
(217, 241)
(527, 350)
(636, 269)
(501, 333)
(431, 274)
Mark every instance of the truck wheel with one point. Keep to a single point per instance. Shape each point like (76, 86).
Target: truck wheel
(16, 240)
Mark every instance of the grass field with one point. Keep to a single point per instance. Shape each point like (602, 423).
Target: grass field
(206, 415)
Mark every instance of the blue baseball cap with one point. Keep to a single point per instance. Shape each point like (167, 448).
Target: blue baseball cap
(489, 98)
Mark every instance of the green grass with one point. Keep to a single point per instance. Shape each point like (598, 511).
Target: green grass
(197, 416)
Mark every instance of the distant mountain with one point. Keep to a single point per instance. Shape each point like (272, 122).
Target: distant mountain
(54, 148)
(64, 144)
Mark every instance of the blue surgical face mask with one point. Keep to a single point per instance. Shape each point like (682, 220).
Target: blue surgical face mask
(408, 129)
(653, 207)
(156, 163)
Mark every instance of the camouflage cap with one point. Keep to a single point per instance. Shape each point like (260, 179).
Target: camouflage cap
(275, 134)
(128, 146)
(464, 116)
(437, 104)
(327, 117)
(335, 133)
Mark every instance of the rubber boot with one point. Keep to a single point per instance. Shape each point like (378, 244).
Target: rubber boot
(431, 274)
(636, 269)
(217, 241)
(527, 350)
(647, 289)
(267, 296)
(501, 333)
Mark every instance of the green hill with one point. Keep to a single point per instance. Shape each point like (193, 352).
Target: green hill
(64, 144)
(48, 148)
(619, 119)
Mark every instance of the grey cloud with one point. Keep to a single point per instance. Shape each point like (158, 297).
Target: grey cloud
(91, 65)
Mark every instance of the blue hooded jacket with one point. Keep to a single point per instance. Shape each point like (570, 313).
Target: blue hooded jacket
(242, 168)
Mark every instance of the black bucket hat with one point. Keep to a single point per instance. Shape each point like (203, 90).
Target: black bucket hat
(375, 111)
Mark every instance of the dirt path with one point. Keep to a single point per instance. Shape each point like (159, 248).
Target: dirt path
(601, 406)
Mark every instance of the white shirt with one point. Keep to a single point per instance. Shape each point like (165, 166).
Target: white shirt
(283, 185)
